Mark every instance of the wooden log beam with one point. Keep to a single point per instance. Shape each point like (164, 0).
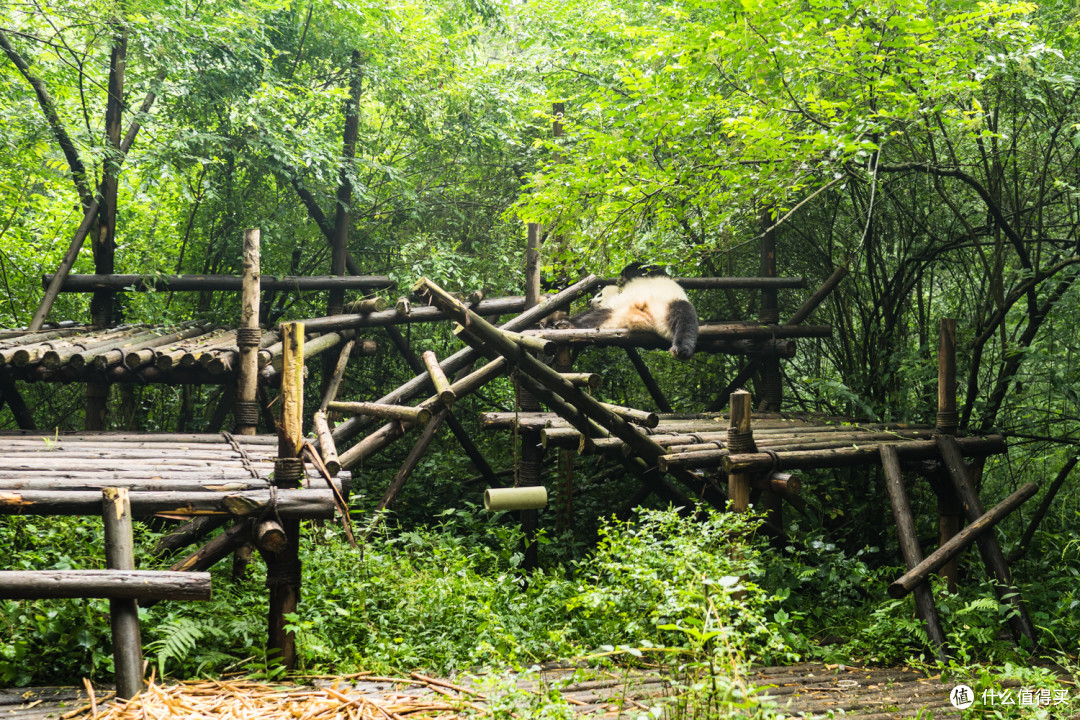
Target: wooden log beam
(246, 411)
(204, 283)
(306, 503)
(438, 378)
(404, 413)
(963, 539)
(109, 584)
(952, 452)
(763, 339)
(467, 356)
(403, 313)
(846, 457)
(732, 283)
(909, 547)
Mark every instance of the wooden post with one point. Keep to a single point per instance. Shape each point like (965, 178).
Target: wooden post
(651, 385)
(120, 555)
(248, 336)
(740, 440)
(531, 459)
(992, 556)
(909, 546)
(949, 510)
(564, 517)
(283, 575)
(769, 395)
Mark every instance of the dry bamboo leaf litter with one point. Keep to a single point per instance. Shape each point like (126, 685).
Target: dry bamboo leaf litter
(216, 700)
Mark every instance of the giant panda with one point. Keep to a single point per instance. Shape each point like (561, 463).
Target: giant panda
(654, 303)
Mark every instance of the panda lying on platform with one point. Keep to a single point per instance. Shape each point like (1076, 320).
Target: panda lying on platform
(646, 303)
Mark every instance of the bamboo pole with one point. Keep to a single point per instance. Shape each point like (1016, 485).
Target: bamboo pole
(909, 547)
(327, 449)
(335, 380)
(401, 315)
(649, 381)
(956, 544)
(283, 575)
(307, 503)
(949, 510)
(582, 379)
(120, 555)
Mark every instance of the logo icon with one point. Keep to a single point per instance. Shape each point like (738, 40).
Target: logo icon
(962, 697)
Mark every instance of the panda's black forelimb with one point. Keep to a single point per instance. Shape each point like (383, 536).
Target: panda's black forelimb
(590, 318)
(683, 320)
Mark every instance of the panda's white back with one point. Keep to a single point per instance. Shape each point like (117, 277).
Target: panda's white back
(642, 304)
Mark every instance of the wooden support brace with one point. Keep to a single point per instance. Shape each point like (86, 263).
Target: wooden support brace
(918, 574)
(909, 547)
(988, 544)
(647, 378)
(402, 413)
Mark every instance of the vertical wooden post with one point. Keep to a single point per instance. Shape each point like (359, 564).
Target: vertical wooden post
(283, 573)
(909, 546)
(740, 440)
(340, 247)
(532, 450)
(248, 335)
(769, 395)
(565, 510)
(947, 419)
(949, 510)
(120, 555)
(103, 243)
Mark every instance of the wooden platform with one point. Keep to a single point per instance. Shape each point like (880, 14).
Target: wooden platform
(53, 474)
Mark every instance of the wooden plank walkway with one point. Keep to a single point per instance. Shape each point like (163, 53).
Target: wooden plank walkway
(807, 691)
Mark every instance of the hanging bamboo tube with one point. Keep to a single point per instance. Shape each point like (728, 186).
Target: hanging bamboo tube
(246, 411)
(438, 378)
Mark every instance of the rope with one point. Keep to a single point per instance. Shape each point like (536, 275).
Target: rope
(775, 460)
(245, 459)
(246, 412)
(739, 443)
(248, 337)
(288, 472)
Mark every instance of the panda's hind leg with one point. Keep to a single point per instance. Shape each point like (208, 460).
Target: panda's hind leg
(682, 319)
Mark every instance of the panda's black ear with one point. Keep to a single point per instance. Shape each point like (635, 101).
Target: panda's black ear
(638, 269)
